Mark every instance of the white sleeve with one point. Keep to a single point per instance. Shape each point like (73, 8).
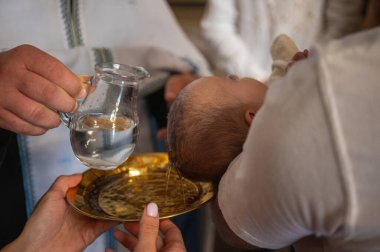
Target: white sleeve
(285, 185)
(219, 29)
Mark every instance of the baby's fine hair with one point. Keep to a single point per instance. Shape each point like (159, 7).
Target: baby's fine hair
(203, 139)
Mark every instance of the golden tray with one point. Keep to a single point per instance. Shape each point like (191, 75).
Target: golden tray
(121, 194)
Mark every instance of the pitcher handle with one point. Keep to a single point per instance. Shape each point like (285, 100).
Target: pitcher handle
(66, 117)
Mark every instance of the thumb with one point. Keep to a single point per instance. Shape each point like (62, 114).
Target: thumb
(149, 226)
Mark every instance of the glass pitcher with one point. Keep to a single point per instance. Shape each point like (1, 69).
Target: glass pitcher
(104, 128)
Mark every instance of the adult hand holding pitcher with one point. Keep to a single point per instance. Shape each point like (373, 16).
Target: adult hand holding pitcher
(104, 128)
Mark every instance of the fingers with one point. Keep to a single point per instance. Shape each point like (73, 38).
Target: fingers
(297, 57)
(149, 226)
(59, 188)
(100, 227)
(63, 183)
(33, 86)
(306, 53)
(169, 96)
(11, 122)
(47, 93)
(128, 240)
(146, 231)
(301, 55)
(172, 234)
(87, 88)
(84, 78)
(132, 227)
(31, 111)
(175, 84)
(50, 68)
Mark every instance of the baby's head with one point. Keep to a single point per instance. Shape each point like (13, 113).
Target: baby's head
(208, 123)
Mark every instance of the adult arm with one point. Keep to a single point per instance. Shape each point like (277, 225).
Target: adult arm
(220, 31)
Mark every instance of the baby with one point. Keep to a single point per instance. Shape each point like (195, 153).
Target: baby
(210, 118)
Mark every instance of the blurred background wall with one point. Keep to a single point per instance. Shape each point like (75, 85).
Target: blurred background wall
(189, 14)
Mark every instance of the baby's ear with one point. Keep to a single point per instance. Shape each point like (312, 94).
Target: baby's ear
(248, 116)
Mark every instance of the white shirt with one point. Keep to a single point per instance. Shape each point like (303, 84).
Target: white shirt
(115, 24)
(239, 33)
(311, 161)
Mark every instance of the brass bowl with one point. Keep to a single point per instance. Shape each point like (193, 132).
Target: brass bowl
(121, 194)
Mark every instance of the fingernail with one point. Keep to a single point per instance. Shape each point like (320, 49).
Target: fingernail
(75, 108)
(84, 78)
(152, 210)
(82, 94)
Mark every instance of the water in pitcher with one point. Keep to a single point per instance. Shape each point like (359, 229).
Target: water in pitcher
(103, 141)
